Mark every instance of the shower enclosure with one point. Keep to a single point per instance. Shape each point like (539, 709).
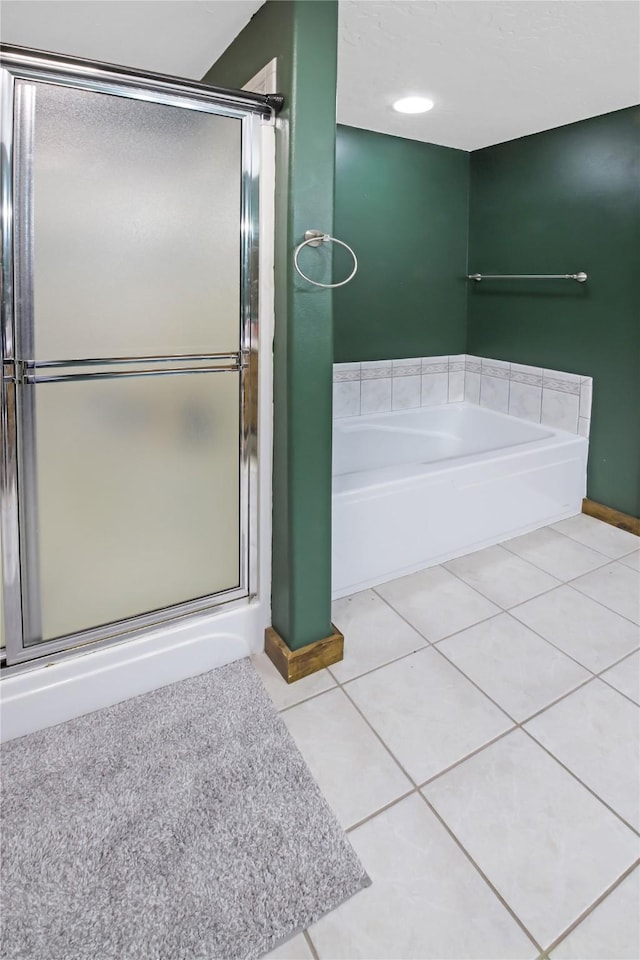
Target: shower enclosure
(129, 350)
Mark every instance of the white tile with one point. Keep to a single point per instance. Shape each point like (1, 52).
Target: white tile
(525, 401)
(587, 631)
(426, 899)
(434, 388)
(556, 554)
(560, 410)
(600, 536)
(472, 387)
(354, 771)
(285, 694)
(488, 363)
(625, 677)
(426, 712)
(616, 586)
(376, 396)
(346, 371)
(375, 368)
(610, 931)
(435, 364)
(296, 948)
(401, 367)
(405, 393)
(594, 732)
(560, 375)
(494, 394)
(502, 576)
(586, 391)
(584, 427)
(374, 634)
(632, 560)
(436, 603)
(528, 371)
(346, 399)
(548, 845)
(514, 666)
(456, 386)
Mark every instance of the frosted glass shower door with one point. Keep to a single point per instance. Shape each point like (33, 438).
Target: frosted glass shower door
(133, 344)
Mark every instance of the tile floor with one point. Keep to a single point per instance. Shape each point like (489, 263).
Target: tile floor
(479, 743)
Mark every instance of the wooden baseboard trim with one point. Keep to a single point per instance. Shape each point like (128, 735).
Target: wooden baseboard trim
(615, 517)
(296, 664)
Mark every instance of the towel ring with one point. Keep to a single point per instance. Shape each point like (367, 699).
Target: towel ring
(315, 238)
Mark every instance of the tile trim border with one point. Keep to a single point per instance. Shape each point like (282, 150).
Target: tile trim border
(551, 397)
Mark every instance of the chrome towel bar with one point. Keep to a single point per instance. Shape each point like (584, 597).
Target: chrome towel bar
(580, 277)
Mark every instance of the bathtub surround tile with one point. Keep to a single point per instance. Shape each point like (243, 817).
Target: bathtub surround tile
(525, 401)
(501, 576)
(405, 392)
(426, 712)
(547, 844)
(594, 732)
(519, 671)
(496, 368)
(435, 388)
(435, 364)
(494, 393)
(473, 364)
(472, 387)
(584, 629)
(611, 930)
(456, 386)
(556, 554)
(436, 602)
(346, 399)
(522, 373)
(616, 586)
(406, 368)
(285, 694)
(529, 393)
(344, 372)
(563, 382)
(584, 427)
(354, 771)
(560, 410)
(625, 677)
(375, 396)
(414, 907)
(600, 536)
(375, 369)
(374, 634)
(586, 392)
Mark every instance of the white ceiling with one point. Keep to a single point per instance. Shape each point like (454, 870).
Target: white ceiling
(182, 38)
(496, 69)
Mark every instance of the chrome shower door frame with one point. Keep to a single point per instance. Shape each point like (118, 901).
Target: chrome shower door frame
(17, 462)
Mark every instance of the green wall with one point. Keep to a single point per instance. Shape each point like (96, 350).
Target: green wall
(557, 202)
(403, 206)
(302, 34)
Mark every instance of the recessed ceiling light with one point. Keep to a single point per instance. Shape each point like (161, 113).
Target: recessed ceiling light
(413, 105)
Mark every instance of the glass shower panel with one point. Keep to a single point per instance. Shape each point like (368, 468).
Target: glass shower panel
(138, 495)
(137, 227)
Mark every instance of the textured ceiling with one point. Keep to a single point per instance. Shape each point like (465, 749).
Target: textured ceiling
(496, 70)
(180, 37)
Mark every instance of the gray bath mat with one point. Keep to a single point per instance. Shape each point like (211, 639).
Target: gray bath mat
(181, 825)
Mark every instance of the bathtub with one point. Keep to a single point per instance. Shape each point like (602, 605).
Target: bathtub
(413, 488)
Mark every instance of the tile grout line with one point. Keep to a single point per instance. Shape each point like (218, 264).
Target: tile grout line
(596, 903)
(486, 879)
(311, 944)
